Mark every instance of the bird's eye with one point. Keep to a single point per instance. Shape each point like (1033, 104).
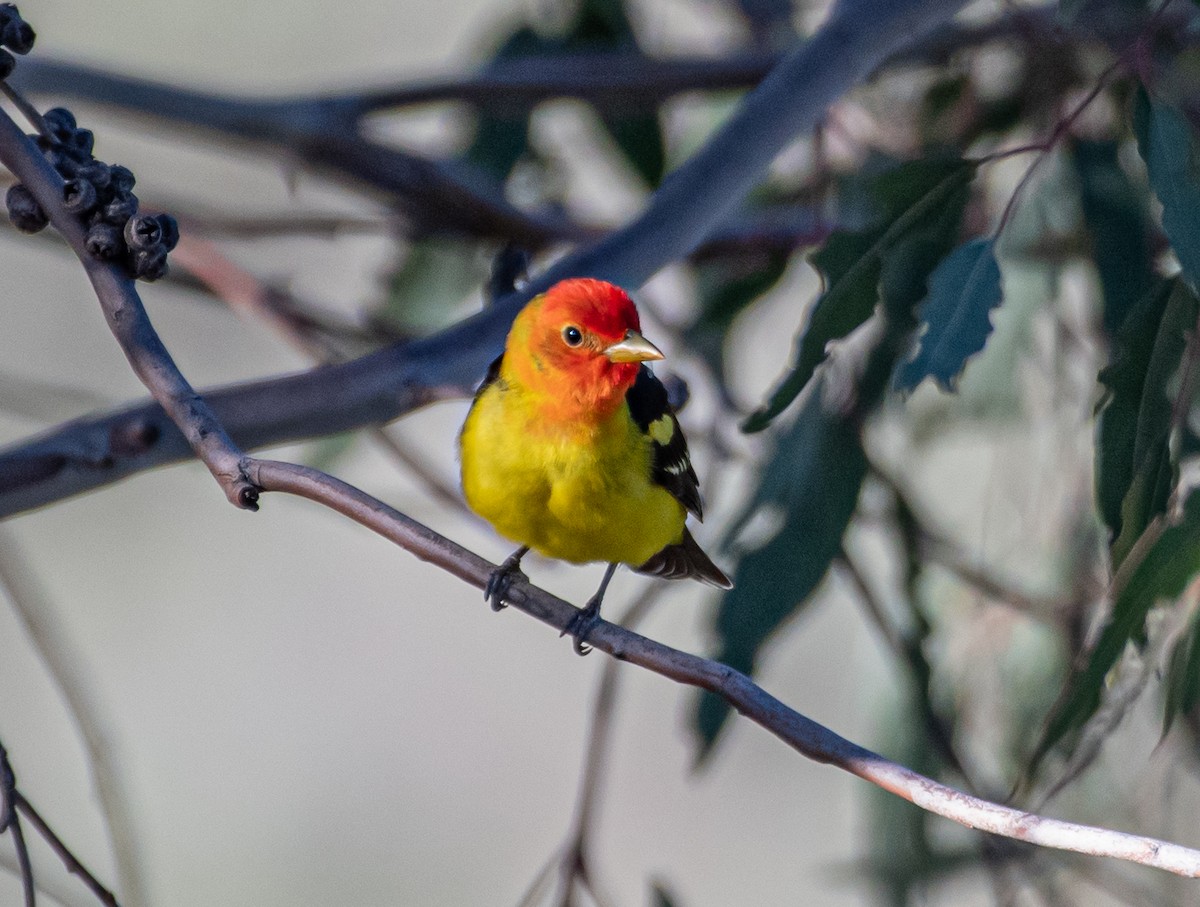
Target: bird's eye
(572, 335)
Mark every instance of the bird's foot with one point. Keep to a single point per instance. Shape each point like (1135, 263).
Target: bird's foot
(581, 625)
(500, 580)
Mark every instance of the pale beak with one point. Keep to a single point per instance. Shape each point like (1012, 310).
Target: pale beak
(634, 348)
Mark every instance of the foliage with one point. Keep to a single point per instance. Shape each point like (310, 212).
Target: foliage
(928, 218)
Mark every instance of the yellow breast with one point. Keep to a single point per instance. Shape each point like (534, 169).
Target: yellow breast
(578, 492)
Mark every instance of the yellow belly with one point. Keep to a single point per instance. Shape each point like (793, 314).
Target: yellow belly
(578, 493)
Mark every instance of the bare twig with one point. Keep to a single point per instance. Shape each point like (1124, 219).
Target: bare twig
(692, 204)
(22, 849)
(64, 853)
(575, 863)
(66, 667)
(245, 293)
(129, 322)
(802, 734)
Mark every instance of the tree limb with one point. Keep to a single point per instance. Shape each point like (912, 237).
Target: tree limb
(128, 321)
(810, 739)
(694, 202)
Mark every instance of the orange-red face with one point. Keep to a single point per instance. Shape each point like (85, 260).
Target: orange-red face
(580, 338)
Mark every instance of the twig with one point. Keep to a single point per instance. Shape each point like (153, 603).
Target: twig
(802, 734)
(64, 853)
(692, 204)
(907, 650)
(23, 861)
(66, 667)
(575, 862)
(129, 322)
(245, 293)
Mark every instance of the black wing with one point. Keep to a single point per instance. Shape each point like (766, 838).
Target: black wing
(671, 467)
(492, 376)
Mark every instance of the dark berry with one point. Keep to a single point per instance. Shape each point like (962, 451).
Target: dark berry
(170, 231)
(143, 232)
(123, 206)
(150, 264)
(64, 164)
(122, 177)
(18, 36)
(79, 196)
(96, 173)
(23, 210)
(80, 143)
(104, 241)
(7, 64)
(60, 123)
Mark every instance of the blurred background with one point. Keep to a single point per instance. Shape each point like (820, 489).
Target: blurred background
(282, 708)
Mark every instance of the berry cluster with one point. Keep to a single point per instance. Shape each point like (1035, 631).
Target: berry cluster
(16, 35)
(99, 194)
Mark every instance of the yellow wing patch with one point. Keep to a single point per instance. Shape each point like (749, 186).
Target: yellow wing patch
(662, 430)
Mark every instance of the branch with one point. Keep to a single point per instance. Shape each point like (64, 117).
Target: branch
(693, 204)
(810, 739)
(69, 859)
(128, 321)
(323, 134)
(66, 667)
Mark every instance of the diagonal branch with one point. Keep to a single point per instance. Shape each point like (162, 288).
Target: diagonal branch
(810, 739)
(129, 322)
(695, 201)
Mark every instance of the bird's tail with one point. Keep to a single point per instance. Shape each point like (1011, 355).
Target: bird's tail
(685, 560)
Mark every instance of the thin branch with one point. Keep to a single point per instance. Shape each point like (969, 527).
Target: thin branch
(74, 866)
(324, 135)
(245, 293)
(22, 849)
(804, 735)
(575, 862)
(690, 207)
(87, 710)
(129, 322)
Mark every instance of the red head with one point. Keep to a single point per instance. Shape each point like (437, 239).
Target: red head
(580, 343)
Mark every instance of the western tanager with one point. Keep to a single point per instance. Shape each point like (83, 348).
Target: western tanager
(571, 447)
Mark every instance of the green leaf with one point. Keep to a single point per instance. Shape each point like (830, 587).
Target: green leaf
(1169, 564)
(1134, 470)
(1116, 216)
(1168, 146)
(435, 274)
(956, 315)
(812, 483)
(502, 136)
(920, 201)
(604, 25)
(726, 287)
(1182, 682)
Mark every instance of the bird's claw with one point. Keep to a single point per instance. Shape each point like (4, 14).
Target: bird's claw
(499, 582)
(580, 626)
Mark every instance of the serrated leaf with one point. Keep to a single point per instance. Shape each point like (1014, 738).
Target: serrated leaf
(956, 315)
(1134, 470)
(919, 200)
(813, 480)
(1116, 217)
(1168, 146)
(1163, 573)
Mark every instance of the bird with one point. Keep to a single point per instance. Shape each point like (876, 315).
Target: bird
(571, 448)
